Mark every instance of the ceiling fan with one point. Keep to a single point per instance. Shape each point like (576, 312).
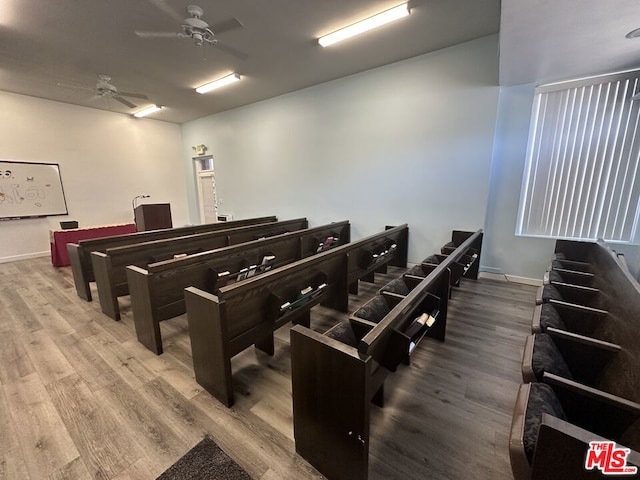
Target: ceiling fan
(105, 89)
(195, 28)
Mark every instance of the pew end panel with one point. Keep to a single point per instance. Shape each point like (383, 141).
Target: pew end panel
(107, 291)
(81, 272)
(331, 387)
(210, 344)
(242, 314)
(142, 292)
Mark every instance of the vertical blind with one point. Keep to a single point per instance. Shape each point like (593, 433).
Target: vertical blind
(580, 179)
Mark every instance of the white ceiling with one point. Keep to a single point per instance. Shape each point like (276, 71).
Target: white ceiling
(543, 41)
(47, 42)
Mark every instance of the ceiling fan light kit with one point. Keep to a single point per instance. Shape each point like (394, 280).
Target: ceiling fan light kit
(365, 25)
(195, 28)
(221, 82)
(107, 90)
(633, 33)
(147, 111)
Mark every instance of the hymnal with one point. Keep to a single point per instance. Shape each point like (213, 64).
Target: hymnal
(242, 274)
(267, 262)
(420, 324)
(252, 271)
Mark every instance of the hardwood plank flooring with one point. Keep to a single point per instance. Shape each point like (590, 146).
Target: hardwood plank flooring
(80, 398)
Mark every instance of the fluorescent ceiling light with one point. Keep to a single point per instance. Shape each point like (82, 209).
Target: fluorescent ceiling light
(372, 22)
(147, 111)
(221, 82)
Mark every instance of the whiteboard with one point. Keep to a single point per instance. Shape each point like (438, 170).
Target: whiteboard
(30, 190)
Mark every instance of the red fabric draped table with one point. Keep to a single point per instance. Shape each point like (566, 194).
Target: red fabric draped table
(60, 238)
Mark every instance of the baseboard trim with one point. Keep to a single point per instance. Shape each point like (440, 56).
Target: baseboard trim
(511, 278)
(26, 256)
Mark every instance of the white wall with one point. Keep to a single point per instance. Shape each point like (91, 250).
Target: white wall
(105, 160)
(408, 142)
(503, 252)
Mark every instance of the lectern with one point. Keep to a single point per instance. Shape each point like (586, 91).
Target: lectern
(153, 216)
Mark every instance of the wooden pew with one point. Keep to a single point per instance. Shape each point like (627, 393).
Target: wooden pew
(617, 395)
(80, 253)
(248, 312)
(334, 382)
(560, 446)
(109, 267)
(157, 293)
(471, 266)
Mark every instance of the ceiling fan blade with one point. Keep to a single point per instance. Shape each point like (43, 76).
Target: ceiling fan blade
(161, 5)
(144, 34)
(133, 95)
(78, 87)
(124, 102)
(226, 26)
(231, 51)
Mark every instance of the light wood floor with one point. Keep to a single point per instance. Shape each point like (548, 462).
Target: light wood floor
(81, 398)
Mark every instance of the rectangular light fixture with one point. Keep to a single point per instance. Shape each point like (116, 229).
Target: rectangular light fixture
(147, 111)
(221, 82)
(367, 24)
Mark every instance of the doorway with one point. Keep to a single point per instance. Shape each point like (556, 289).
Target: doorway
(206, 186)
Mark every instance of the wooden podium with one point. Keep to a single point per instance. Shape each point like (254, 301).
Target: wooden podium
(152, 216)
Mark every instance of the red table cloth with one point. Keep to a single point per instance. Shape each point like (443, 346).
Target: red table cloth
(60, 238)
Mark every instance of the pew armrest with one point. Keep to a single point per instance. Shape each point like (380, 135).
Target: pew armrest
(561, 451)
(527, 360)
(562, 335)
(593, 409)
(519, 463)
(586, 357)
(577, 307)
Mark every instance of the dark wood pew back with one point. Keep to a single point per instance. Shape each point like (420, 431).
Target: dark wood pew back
(622, 294)
(110, 266)
(80, 254)
(157, 293)
(611, 409)
(334, 383)
(377, 343)
(248, 311)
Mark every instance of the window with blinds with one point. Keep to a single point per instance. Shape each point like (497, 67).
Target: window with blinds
(581, 175)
